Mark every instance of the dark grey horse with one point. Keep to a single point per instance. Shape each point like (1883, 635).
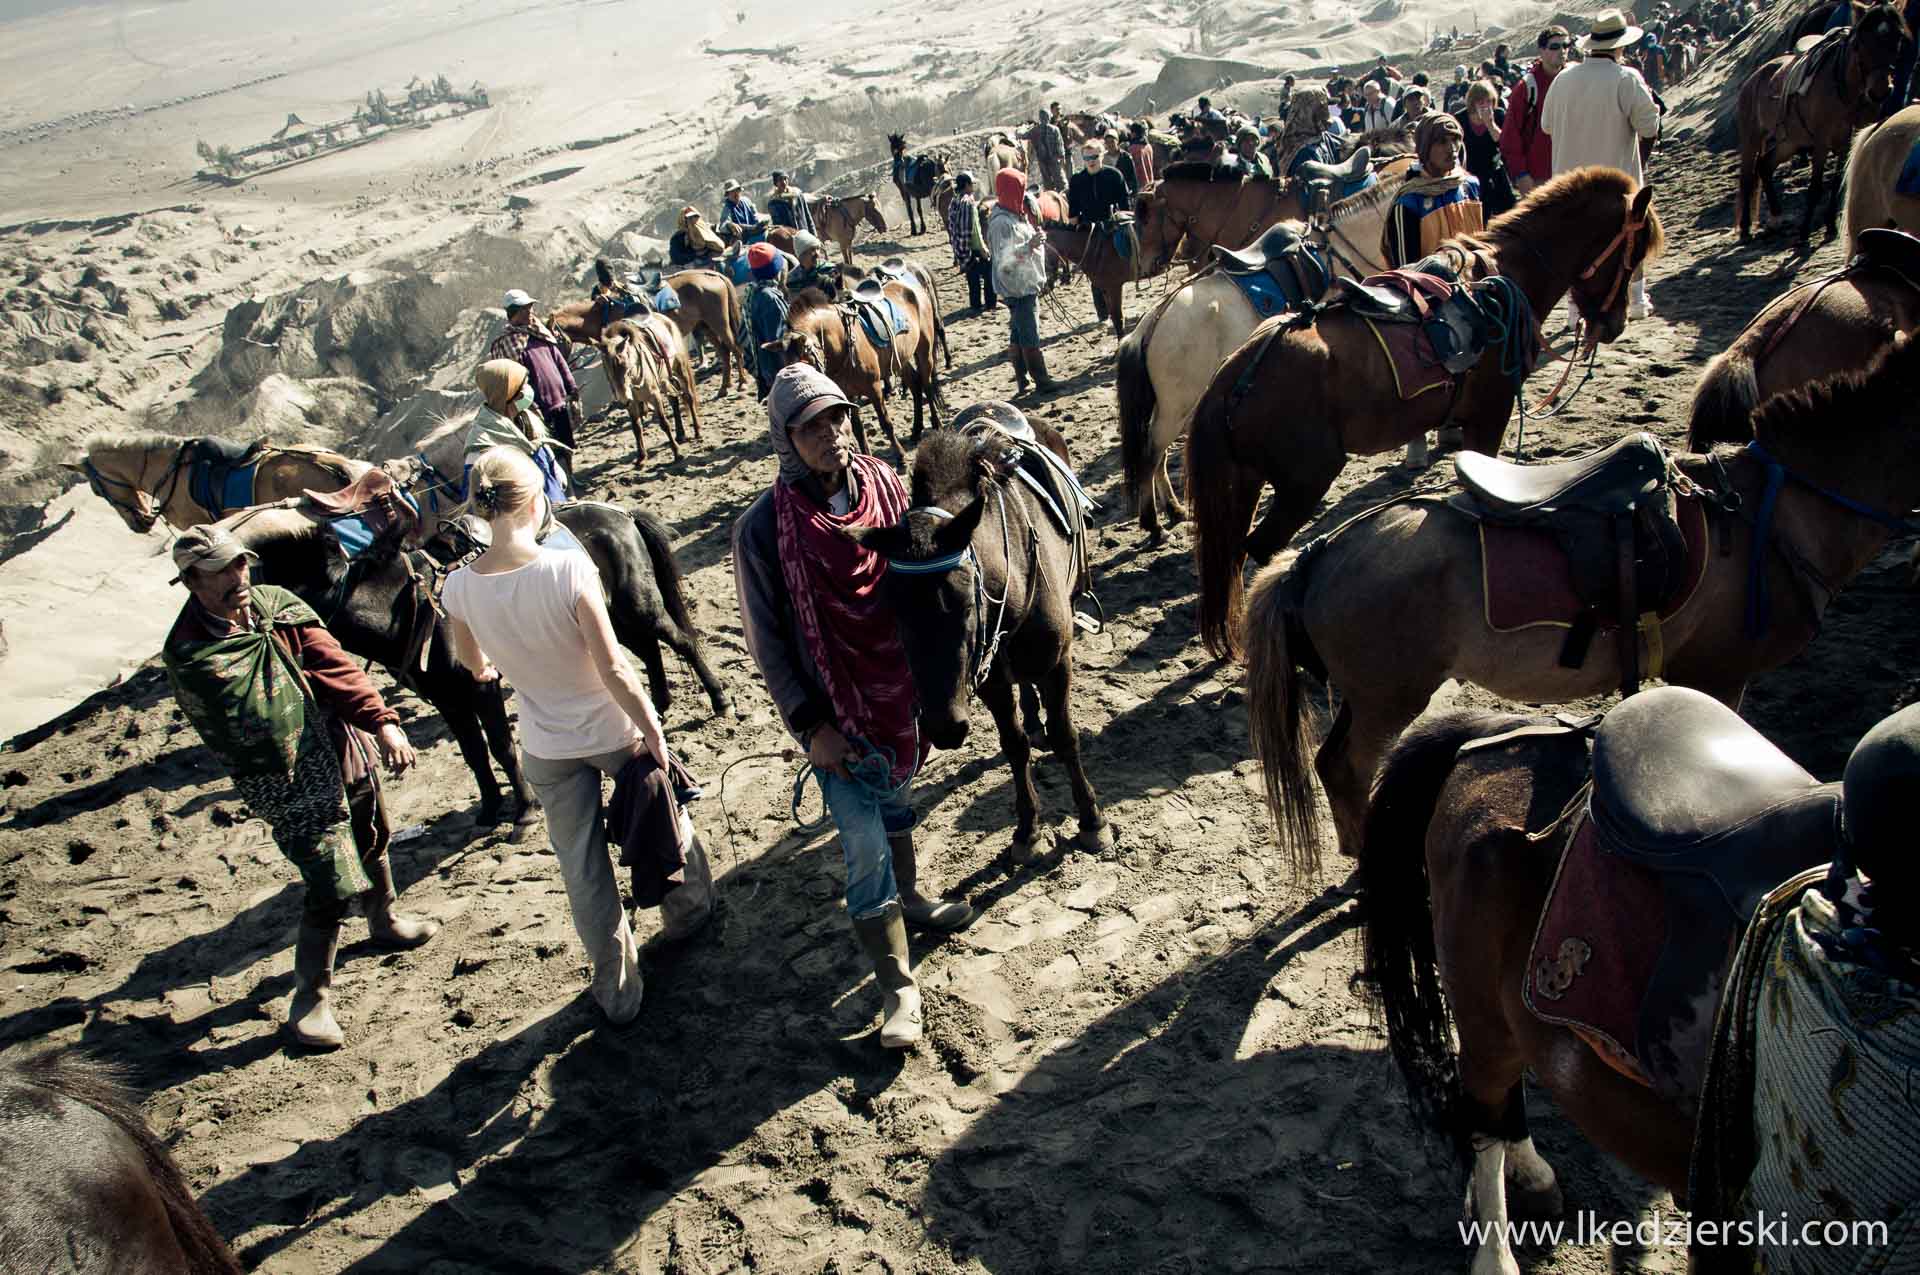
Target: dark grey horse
(90, 1189)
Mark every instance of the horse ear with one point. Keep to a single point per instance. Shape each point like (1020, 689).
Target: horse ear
(956, 533)
(888, 542)
(1643, 203)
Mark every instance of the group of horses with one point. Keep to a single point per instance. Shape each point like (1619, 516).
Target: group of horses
(1446, 834)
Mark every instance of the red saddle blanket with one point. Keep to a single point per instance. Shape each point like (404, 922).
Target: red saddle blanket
(1595, 950)
(1527, 580)
(1410, 354)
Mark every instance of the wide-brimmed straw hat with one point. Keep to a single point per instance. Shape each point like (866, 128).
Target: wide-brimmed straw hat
(1611, 30)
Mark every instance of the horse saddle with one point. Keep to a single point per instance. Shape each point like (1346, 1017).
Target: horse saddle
(1358, 165)
(220, 473)
(1615, 519)
(1281, 271)
(1036, 466)
(880, 318)
(1811, 55)
(1895, 249)
(1119, 230)
(1691, 818)
(361, 513)
(897, 269)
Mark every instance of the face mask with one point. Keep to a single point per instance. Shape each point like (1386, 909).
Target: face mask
(523, 401)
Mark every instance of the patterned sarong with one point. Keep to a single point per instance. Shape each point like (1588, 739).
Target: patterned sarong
(1808, 1114)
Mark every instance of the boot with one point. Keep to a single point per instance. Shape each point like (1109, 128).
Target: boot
(689, 906)
(945, 915)
(1638, 307)
(1451, 439)
(1037, 365)
(388, 927)
(884, 939)
(1416, 453)
(1019, 356)
(310, 1016)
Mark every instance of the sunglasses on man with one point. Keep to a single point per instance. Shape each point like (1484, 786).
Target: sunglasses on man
(1558, 46)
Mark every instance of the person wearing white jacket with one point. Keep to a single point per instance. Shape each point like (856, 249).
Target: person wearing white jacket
(1019, 272)
(1598, 112)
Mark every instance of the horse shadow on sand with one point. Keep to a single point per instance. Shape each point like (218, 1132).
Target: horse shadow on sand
(1166, 1137)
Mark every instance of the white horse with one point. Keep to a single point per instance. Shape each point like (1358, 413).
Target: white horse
(1167, 362)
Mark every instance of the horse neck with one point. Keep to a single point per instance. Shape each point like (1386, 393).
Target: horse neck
(1547, 261)
(1874, 465)
(1014, 565)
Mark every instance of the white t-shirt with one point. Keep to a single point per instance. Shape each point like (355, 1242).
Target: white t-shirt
(524, 619)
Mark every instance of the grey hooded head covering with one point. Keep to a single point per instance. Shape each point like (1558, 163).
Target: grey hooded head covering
(800, 392)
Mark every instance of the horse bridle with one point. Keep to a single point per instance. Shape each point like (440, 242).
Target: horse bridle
(1625, 239)
(980, 657)
(98, 483)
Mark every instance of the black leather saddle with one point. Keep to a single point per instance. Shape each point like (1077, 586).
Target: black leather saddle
(1684, 787)
(225, 452)
(1613, 515)
(1895, 249)
(1262, 253)
(1358, 165)
(1612, 480)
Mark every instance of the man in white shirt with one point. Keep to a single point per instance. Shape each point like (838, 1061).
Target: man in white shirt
(1376, 110)
(1598, 112)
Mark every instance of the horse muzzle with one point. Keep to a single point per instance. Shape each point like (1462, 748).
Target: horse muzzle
(947, 734)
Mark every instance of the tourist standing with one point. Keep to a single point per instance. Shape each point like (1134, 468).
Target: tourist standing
(1524, 145)
(1019, 272)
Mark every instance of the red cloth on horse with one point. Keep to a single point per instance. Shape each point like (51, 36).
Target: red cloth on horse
(847, 625)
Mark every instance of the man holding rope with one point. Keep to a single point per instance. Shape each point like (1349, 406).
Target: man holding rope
(824, 637)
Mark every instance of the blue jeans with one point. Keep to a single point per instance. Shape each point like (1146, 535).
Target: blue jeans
(1023, 319)
(865, 821)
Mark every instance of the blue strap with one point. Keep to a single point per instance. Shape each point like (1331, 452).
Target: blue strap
(931, 566)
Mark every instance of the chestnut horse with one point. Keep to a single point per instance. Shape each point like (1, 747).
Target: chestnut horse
(839, 218)
(708, 303)
(1873, 167)
(95, 1190)
(1845, 92)
(1838, 323)
(149, 477)
(647, 368)
(914, 177)
(1419, 561)
(1296, 399)
(830, 337)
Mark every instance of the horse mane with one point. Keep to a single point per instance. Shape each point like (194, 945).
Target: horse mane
(111, 442)
(438, 434)
(809, 299)
(1530, 221)
(1200, 170)
(1380, 192)
(98, 1085)
(945, 464)
(1880, 392)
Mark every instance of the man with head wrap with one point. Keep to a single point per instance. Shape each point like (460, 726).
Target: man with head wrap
(819, 627)
(693, 245)
(1019, 272)
(811, 268)
(1307, 137)
(765, 311)
(508, 420)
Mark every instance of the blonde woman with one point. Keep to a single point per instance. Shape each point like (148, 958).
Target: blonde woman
(535, 611)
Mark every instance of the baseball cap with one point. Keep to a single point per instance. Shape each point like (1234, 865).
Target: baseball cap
(207, 548)
(515, 299)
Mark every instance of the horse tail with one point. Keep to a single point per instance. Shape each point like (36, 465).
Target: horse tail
(1222, 493)
(1400, 972)
(97, 1085)
(1135, 390)
(666, 568)
(1277, 648)
(1724, 401)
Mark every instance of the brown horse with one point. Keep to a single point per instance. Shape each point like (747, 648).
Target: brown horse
(709, 303)
(94, 1189)
(1757, 605)
(148, 477)
(839, 218)
(996, 540)
(830, 337)
(914, 177)
(1101, 261)
(647, 368)
(1461, 854)
(1873, 167)
(1844, 92)
(1838, 323)
(1295, 400)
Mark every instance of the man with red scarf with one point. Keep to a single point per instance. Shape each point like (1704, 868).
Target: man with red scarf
(818, 625)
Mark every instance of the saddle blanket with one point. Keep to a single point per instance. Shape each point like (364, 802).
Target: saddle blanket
(1908, 183)
(1410, 354)
(1527, 581)
(666, 301)
(220, 488)
(1263, 293)
(871, 317)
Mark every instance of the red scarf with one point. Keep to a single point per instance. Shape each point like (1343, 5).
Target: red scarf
(847, 625)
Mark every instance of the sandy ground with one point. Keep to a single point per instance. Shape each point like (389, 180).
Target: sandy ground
(1149, 1060)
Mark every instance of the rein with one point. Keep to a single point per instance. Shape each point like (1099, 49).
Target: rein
(1778, 476)
(981, 657)
(98, 482)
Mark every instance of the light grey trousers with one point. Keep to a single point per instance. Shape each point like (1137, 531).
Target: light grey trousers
(570, 794)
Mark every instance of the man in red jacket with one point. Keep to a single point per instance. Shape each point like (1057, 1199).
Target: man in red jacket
(276, 699)
(1527, 150)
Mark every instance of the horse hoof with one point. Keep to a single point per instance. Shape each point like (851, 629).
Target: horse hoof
(1545, 1203)
(1097, 839)
(1022, 852)
(722, 706)
(523, 827)
(490, 813)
